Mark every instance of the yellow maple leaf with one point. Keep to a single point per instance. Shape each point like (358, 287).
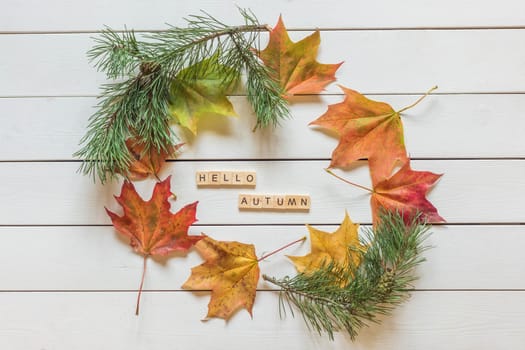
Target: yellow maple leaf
(335, 247)
(231, 271)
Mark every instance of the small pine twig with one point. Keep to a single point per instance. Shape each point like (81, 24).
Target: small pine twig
(375, 287)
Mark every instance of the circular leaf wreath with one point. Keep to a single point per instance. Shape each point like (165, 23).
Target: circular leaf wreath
(178, 75)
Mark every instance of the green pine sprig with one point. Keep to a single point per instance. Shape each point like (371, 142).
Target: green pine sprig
(336, 298)
(136, 103)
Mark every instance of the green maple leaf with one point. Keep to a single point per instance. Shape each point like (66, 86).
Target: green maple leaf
(200, 90)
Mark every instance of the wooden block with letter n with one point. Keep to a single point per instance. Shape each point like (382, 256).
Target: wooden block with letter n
(274, 202)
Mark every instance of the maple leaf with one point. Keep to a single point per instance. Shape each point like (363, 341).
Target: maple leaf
(331, 248)
(405, 192)
(201, 91)
(231, 271)
(150, 225)
(367, 129)
(145, 164)
(295, 64)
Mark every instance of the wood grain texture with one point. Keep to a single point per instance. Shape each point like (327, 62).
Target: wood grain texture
(50, 128)
(470, 192)
(86, 321)
(98, 259)
(56, 64)
(34, 15)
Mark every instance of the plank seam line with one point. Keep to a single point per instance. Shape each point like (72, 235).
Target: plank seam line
(302, 95)
(328, 159)
(458, 224)
(296, 29)
(469, 290)
(195, 160)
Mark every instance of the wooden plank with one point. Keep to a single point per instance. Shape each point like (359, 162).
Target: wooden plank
(96, 258)
(430, 320)
(34, 15)
(50, 128)
(56, 65)
(480, 191)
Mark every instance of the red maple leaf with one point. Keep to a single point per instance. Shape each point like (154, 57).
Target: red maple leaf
(405, 192)
(152, 228)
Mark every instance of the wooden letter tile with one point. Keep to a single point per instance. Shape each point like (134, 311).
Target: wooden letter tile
(297, 202)
(274, 202)
(226, 178)
(201, 178)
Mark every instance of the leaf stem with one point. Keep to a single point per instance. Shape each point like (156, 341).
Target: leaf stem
(348, 182)
(418, 100)
(282, 248)
(141, 284)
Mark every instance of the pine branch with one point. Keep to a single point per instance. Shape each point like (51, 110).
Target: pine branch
(136, 105)
(116, 55)
(375, 287)
(126, 110)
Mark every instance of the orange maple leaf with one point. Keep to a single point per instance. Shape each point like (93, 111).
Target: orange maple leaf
(145, 164)
(295, 64)
(405, 192)
(150, 225)
(367, 129)
(231, 271)
(342, 248)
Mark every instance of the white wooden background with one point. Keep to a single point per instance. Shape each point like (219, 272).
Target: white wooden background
(67, 281)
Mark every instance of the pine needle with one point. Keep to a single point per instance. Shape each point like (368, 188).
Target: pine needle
(375, 287)
(136, 103)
